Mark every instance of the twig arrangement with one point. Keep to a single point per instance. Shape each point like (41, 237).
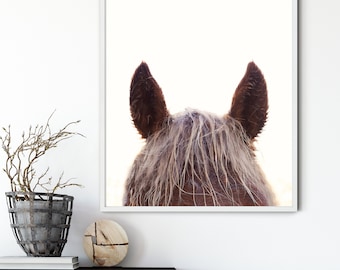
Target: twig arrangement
(34, 144)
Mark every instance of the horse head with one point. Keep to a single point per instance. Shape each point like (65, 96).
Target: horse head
(197, 158)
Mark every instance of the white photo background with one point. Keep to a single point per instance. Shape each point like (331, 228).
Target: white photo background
(198, 51)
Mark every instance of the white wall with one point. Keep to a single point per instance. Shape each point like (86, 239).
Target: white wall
(49, 59)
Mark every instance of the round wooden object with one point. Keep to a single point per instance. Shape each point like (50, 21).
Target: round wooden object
(105, 243)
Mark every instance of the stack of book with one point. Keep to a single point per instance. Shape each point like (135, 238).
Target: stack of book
(38, 263)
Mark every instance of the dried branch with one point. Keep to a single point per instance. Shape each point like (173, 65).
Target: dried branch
(34, 144)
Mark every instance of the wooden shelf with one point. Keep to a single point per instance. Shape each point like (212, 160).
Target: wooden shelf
(127, 268)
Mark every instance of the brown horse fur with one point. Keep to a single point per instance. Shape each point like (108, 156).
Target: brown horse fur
(197, 158)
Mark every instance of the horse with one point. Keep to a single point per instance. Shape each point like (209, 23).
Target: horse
(197, 158)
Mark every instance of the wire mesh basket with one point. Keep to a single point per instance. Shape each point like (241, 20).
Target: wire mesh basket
(40, 221)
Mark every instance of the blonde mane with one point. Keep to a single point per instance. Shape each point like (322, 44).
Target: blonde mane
(198, 157)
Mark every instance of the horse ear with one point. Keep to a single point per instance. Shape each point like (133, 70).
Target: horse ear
(147, 104)
(250, 101)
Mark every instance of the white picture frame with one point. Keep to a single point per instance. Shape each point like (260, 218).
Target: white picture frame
(127, 27)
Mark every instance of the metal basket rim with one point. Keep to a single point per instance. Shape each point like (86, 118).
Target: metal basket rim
(14, 193)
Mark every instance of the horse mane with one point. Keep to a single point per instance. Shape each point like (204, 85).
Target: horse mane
(189, 156)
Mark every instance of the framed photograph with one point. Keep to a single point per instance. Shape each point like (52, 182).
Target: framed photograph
(200, 105)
